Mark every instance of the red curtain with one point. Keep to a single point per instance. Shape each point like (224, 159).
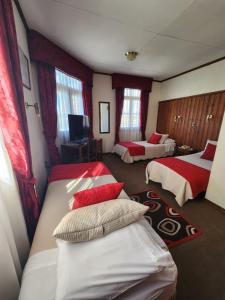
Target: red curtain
(47, 91)
(131, 81)
(44, 51)
(144, 112)
(119, 110)
(13, 120)
(87, 100)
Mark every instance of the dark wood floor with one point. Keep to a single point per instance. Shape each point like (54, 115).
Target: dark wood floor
(201, 261)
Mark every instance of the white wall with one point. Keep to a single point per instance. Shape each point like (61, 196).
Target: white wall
(204, 80)
(37, 141)
(216, 187)
(154, 98)
(102, 91)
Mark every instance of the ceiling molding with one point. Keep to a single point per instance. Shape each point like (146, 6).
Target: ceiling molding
(194, 69)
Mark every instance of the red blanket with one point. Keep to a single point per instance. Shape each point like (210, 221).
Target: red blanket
(197, 177)
(134, 149)
(83, 170)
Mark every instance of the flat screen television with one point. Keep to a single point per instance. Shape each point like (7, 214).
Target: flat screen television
(79, 128)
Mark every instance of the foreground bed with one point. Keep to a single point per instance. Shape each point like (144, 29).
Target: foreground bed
(185, 176)
(135, 151)
(137, 263)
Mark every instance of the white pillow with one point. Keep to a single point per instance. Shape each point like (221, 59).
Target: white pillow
(94, 221)
(163, 138)
(169, 141)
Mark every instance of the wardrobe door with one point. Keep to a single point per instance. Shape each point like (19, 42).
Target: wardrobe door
(163, 116)
(201, 104)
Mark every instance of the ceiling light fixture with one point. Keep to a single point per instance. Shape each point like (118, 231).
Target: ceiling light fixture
(131, 55)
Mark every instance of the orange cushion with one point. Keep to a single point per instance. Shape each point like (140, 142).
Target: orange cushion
(97, 194)
(209, 152)
(154, 138)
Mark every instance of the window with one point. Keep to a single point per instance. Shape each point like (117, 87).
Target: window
(69, 99)
(130, 120)
(131, 109)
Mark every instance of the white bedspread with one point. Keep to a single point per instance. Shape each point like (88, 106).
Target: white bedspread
(171, 180)
(133, 258)
(146, 261)
(151, 151)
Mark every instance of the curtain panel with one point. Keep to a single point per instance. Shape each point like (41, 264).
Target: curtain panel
(122, 81)
(119, 109)
(144, 112)
(13, 120)
(88, 109)
(47, 92)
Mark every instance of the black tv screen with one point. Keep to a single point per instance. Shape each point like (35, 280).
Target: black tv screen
(78, 127)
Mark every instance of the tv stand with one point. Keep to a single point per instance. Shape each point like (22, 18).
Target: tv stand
(84, 150)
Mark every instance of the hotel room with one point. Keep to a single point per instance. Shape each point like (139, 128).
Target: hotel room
(112, 141)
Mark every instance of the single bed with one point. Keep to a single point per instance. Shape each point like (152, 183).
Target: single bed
(146, 268)
(184, 176)
(149, 151)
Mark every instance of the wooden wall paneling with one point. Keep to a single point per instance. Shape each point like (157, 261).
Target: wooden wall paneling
(205, 125)
(193, 128)
(216, 109)
(187, 115)
(199, 104)
(162, 122)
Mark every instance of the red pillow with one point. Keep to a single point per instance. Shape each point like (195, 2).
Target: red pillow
(154, 138)
(209, 152)
(97, 194)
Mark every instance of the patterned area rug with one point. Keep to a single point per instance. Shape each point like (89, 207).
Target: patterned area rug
(169, 224)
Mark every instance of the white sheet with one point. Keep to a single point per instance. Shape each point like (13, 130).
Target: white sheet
(98, 269)
(172, 181)
(151, 151)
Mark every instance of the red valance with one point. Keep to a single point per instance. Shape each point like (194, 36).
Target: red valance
(130, 81)
(45, 51)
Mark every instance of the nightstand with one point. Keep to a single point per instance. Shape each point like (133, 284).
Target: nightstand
(181, 151)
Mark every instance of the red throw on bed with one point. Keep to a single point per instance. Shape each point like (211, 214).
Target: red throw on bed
(82, 170)
(134, 149)
(197, 177)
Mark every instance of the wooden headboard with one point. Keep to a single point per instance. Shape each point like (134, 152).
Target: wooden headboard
(192, 120)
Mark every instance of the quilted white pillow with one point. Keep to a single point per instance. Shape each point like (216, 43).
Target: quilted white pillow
(163, 138)
(94, 221)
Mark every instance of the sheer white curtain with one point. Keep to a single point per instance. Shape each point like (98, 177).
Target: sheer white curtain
(14, 245)
(130, 121)
(69, 101)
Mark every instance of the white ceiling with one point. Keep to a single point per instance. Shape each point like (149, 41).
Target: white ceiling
(171, 36)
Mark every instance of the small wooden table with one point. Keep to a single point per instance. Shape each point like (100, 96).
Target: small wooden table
(90, 150)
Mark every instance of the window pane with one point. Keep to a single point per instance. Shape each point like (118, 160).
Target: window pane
(132, 93)
(77, 107)
(131, 109)
(126, 106)
(63, 109)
